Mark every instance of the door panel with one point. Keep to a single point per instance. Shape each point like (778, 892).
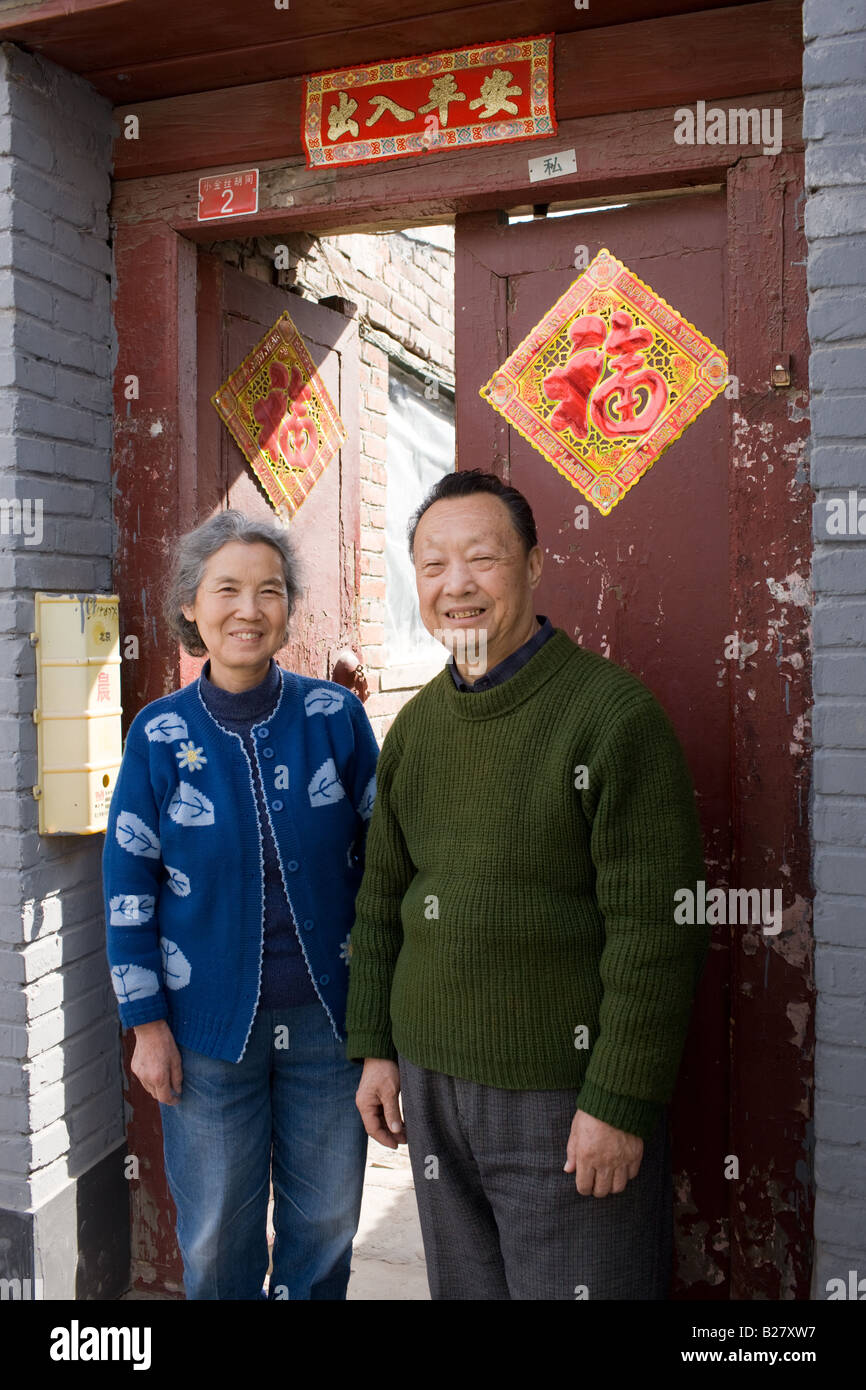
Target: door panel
(647, 585)
(326, 529)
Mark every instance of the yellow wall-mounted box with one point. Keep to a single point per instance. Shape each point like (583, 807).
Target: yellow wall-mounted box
(77, 715)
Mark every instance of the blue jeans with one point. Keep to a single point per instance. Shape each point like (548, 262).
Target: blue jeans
(292, 1107)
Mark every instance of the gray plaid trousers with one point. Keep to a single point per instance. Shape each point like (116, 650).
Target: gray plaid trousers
(499, 1217)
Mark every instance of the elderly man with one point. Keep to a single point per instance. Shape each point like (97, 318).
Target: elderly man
(516, 969)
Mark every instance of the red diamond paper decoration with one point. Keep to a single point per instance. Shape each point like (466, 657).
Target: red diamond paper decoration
(608, 379)
(282, 417)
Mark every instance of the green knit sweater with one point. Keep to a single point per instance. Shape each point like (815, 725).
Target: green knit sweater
(515, 923)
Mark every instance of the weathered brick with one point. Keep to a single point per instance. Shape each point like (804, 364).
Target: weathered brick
(837, 773)
(375, 656)
(35, 259)
(372, 611)
(46, 192)
(837, 1223)
(839, 1122)
(839, 673)
(838, 466)
(37, 570)
(836, 264)
(834, 317)
(837, 368)
(374, 356)
(373, 493)
(841, 1168)
(37, 338)
(822, 18)
(838, 723)
(834, 164)
(372, 564)
(839, 622)
(839, 871)
(376, 403)
(831, 112)
(379, 381)
(840, 569)
(85, 537)
(35, 224)
(82, 462)
(841, 972)
(835, 212)
(842, 1021)
(835, 62)
(844, 1070)
(373, 540)
(69, 312)
(374, 447)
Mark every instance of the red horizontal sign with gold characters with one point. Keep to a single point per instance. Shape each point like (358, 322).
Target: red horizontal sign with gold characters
(608, 379)
(485, 95)
(282, 417)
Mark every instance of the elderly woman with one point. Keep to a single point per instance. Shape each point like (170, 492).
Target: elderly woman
(232, 857)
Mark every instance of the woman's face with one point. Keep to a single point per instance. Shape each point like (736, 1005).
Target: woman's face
(241, 609)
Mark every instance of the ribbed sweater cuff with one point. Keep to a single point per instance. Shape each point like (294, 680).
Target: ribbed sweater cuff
(362, 1045)
(638, 1117)
(150, 1010)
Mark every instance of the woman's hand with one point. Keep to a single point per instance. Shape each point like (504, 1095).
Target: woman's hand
(156, 1062)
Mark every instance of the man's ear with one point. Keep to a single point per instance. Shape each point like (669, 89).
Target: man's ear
(535, 559)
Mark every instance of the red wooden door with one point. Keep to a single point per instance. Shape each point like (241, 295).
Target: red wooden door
(655, 587)
(234, 313)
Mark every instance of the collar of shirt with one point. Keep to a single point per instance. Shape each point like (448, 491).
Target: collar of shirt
(254, 705)
(511, 665)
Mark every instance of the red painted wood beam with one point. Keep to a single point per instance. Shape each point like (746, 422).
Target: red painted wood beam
(30, 18)
(155, 48)
(615, 155)
(629, 67)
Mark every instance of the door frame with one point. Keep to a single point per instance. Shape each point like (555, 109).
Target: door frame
(154, 459)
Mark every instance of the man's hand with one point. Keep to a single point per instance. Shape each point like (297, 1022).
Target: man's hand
(378, 1101)
(602, 1158)
(156, 1062)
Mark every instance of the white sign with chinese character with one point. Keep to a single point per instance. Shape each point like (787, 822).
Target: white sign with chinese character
(552, 166)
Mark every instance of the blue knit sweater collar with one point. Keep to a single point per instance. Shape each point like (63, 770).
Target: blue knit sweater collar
(253, 704)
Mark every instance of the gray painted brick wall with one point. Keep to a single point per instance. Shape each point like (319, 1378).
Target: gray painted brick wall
(61, 1107)
(834, 124)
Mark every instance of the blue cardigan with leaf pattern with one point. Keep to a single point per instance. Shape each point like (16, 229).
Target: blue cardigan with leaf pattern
(183, 865)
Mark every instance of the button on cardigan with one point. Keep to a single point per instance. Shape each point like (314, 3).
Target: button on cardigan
(183, 863)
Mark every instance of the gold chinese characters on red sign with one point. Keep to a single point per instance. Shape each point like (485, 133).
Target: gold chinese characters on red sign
(608, 379)
(485, 95)
(279, 411)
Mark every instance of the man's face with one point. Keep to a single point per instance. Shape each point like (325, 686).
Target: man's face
(474, 575)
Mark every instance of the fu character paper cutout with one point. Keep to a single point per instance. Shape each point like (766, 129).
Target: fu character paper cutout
(607, 380)
(282, 417)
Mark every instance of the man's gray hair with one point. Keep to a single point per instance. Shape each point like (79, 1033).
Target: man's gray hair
(192, 552)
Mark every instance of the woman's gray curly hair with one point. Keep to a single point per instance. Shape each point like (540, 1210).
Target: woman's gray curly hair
(191, 554)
